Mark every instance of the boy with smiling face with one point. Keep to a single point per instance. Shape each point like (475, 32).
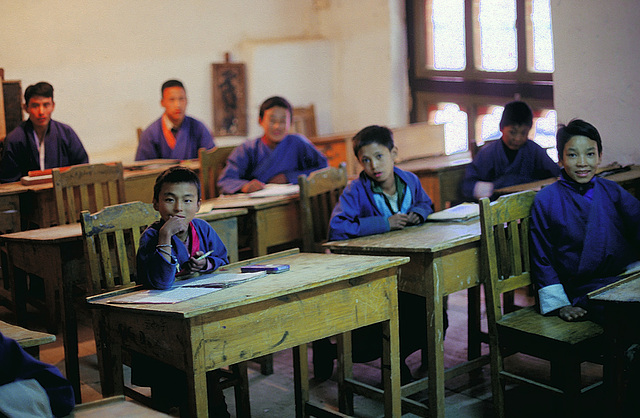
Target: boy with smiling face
(585, 230)
(513, 160)
(276, 157)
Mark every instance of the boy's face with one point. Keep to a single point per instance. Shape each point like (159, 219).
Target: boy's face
(580, 158)
(174, 101)
(40, 109)
(177, 199)
(514, 136)
(377, 162)
(276, 122)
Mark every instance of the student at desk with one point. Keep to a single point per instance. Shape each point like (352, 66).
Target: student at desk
(39, 142)
(513, 160)
(276, 157)
(29, 387)
(382, 199)
(176, 244)
(174, 135)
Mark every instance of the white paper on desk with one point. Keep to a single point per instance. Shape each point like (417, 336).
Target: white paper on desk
(461, 212)
(276, 190)
(219, 280)
(153, 296)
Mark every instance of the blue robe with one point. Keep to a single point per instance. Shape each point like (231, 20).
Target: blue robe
(62, 148)
(580, 243)
(293, 156)
(155, 272)
(360, 212)
(491, 164)
(192, 136)
(16, 364)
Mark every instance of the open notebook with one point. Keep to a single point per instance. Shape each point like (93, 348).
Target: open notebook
(461, 212)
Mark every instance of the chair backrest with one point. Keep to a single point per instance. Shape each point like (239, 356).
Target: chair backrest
(139, 133)
(211, 164)
(319, 193)
(87, 187)
(303, 121)
(112, 238)
(505, 246)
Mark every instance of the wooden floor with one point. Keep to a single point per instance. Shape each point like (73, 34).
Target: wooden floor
(272, 396)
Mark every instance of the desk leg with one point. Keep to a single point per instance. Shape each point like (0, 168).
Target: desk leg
(391, 366)
(474, 335)
(197, 393)
(301, 379)
(70, 270)
(345, 371)
(18, 286)
(435, 344)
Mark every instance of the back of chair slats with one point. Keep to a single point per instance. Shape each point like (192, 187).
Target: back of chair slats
(211, 164)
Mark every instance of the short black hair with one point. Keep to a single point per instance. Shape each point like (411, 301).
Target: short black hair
(373, 134)
(176, 174)
(171, 83)
(516, 113)
(42, 89)
(577, 127)
(275, 101)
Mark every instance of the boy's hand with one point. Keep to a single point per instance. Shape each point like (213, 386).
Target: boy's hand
(398, 221)
(279, 179)
(195, 265)
(253, 186)
(413, 218)
(174, 225)
(482, 189)
(571, 313)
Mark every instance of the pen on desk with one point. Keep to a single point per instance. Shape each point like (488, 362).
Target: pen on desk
(205, 255)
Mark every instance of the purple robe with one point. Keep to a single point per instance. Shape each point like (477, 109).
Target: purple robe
(192, 136)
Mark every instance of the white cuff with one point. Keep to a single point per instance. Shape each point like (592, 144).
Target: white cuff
(552, 297)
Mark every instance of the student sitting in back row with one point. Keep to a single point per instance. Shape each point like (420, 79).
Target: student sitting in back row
(513, 160)
(168, 248)
(382, 199)
(276, 157)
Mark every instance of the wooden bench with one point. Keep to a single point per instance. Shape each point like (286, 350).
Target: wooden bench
(29, 340)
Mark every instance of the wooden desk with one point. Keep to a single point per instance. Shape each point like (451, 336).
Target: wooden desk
(444, 259)
(440, 176)
(621, 301)
(29, 340)
(56, 254)
(322, 295)
(225, 223)
(272, 220)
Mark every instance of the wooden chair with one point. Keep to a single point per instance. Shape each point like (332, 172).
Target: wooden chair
(303, 121)
(319, 193)
(211, 164)
(505, 253)
(87, 187)
(112, 239)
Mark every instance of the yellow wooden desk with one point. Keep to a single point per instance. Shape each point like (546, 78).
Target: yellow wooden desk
(320, 296)
(444, 259)
(272, 220)
(56, 254)
(225, 223)
(29, 340)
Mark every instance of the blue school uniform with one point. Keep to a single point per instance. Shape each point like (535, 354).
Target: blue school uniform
(191, 136)
(582, 237)
(293, 156)
(491, 164)
(155, 272)
(361, 211)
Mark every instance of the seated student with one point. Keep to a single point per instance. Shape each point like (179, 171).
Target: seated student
(171, 247)
(513, 160)
(29, 387)
(382, 199)
(276, 157)
(585, 230)
(174, 135)
(39, 142)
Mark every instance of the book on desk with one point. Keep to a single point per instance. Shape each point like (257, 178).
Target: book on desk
(459, 213)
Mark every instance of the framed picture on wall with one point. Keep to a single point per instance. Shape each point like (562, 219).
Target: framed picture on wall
(229, 99)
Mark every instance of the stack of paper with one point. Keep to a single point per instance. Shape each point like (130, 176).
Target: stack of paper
(461, 212)
(276, 190)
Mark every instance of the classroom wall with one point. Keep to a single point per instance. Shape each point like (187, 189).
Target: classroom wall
(596, 78)
(108, 59)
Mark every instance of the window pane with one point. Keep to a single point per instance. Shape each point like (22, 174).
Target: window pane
(447, 25)
(498, 43)
(545, 132)
(455, 127)
(542, 36)
(490, 125)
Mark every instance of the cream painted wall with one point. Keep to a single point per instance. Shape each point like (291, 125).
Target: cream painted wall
(107, 59)
(596, 78)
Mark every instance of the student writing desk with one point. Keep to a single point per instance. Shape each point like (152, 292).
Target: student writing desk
(29, 340)
(320, 296)
(56, 254)
(444, 259)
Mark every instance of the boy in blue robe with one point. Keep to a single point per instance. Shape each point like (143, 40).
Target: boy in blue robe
(171, 247)
(174, 135)
(513, 160)
(585, 230)
(383, 198)
(276, 157)
(39, 142)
